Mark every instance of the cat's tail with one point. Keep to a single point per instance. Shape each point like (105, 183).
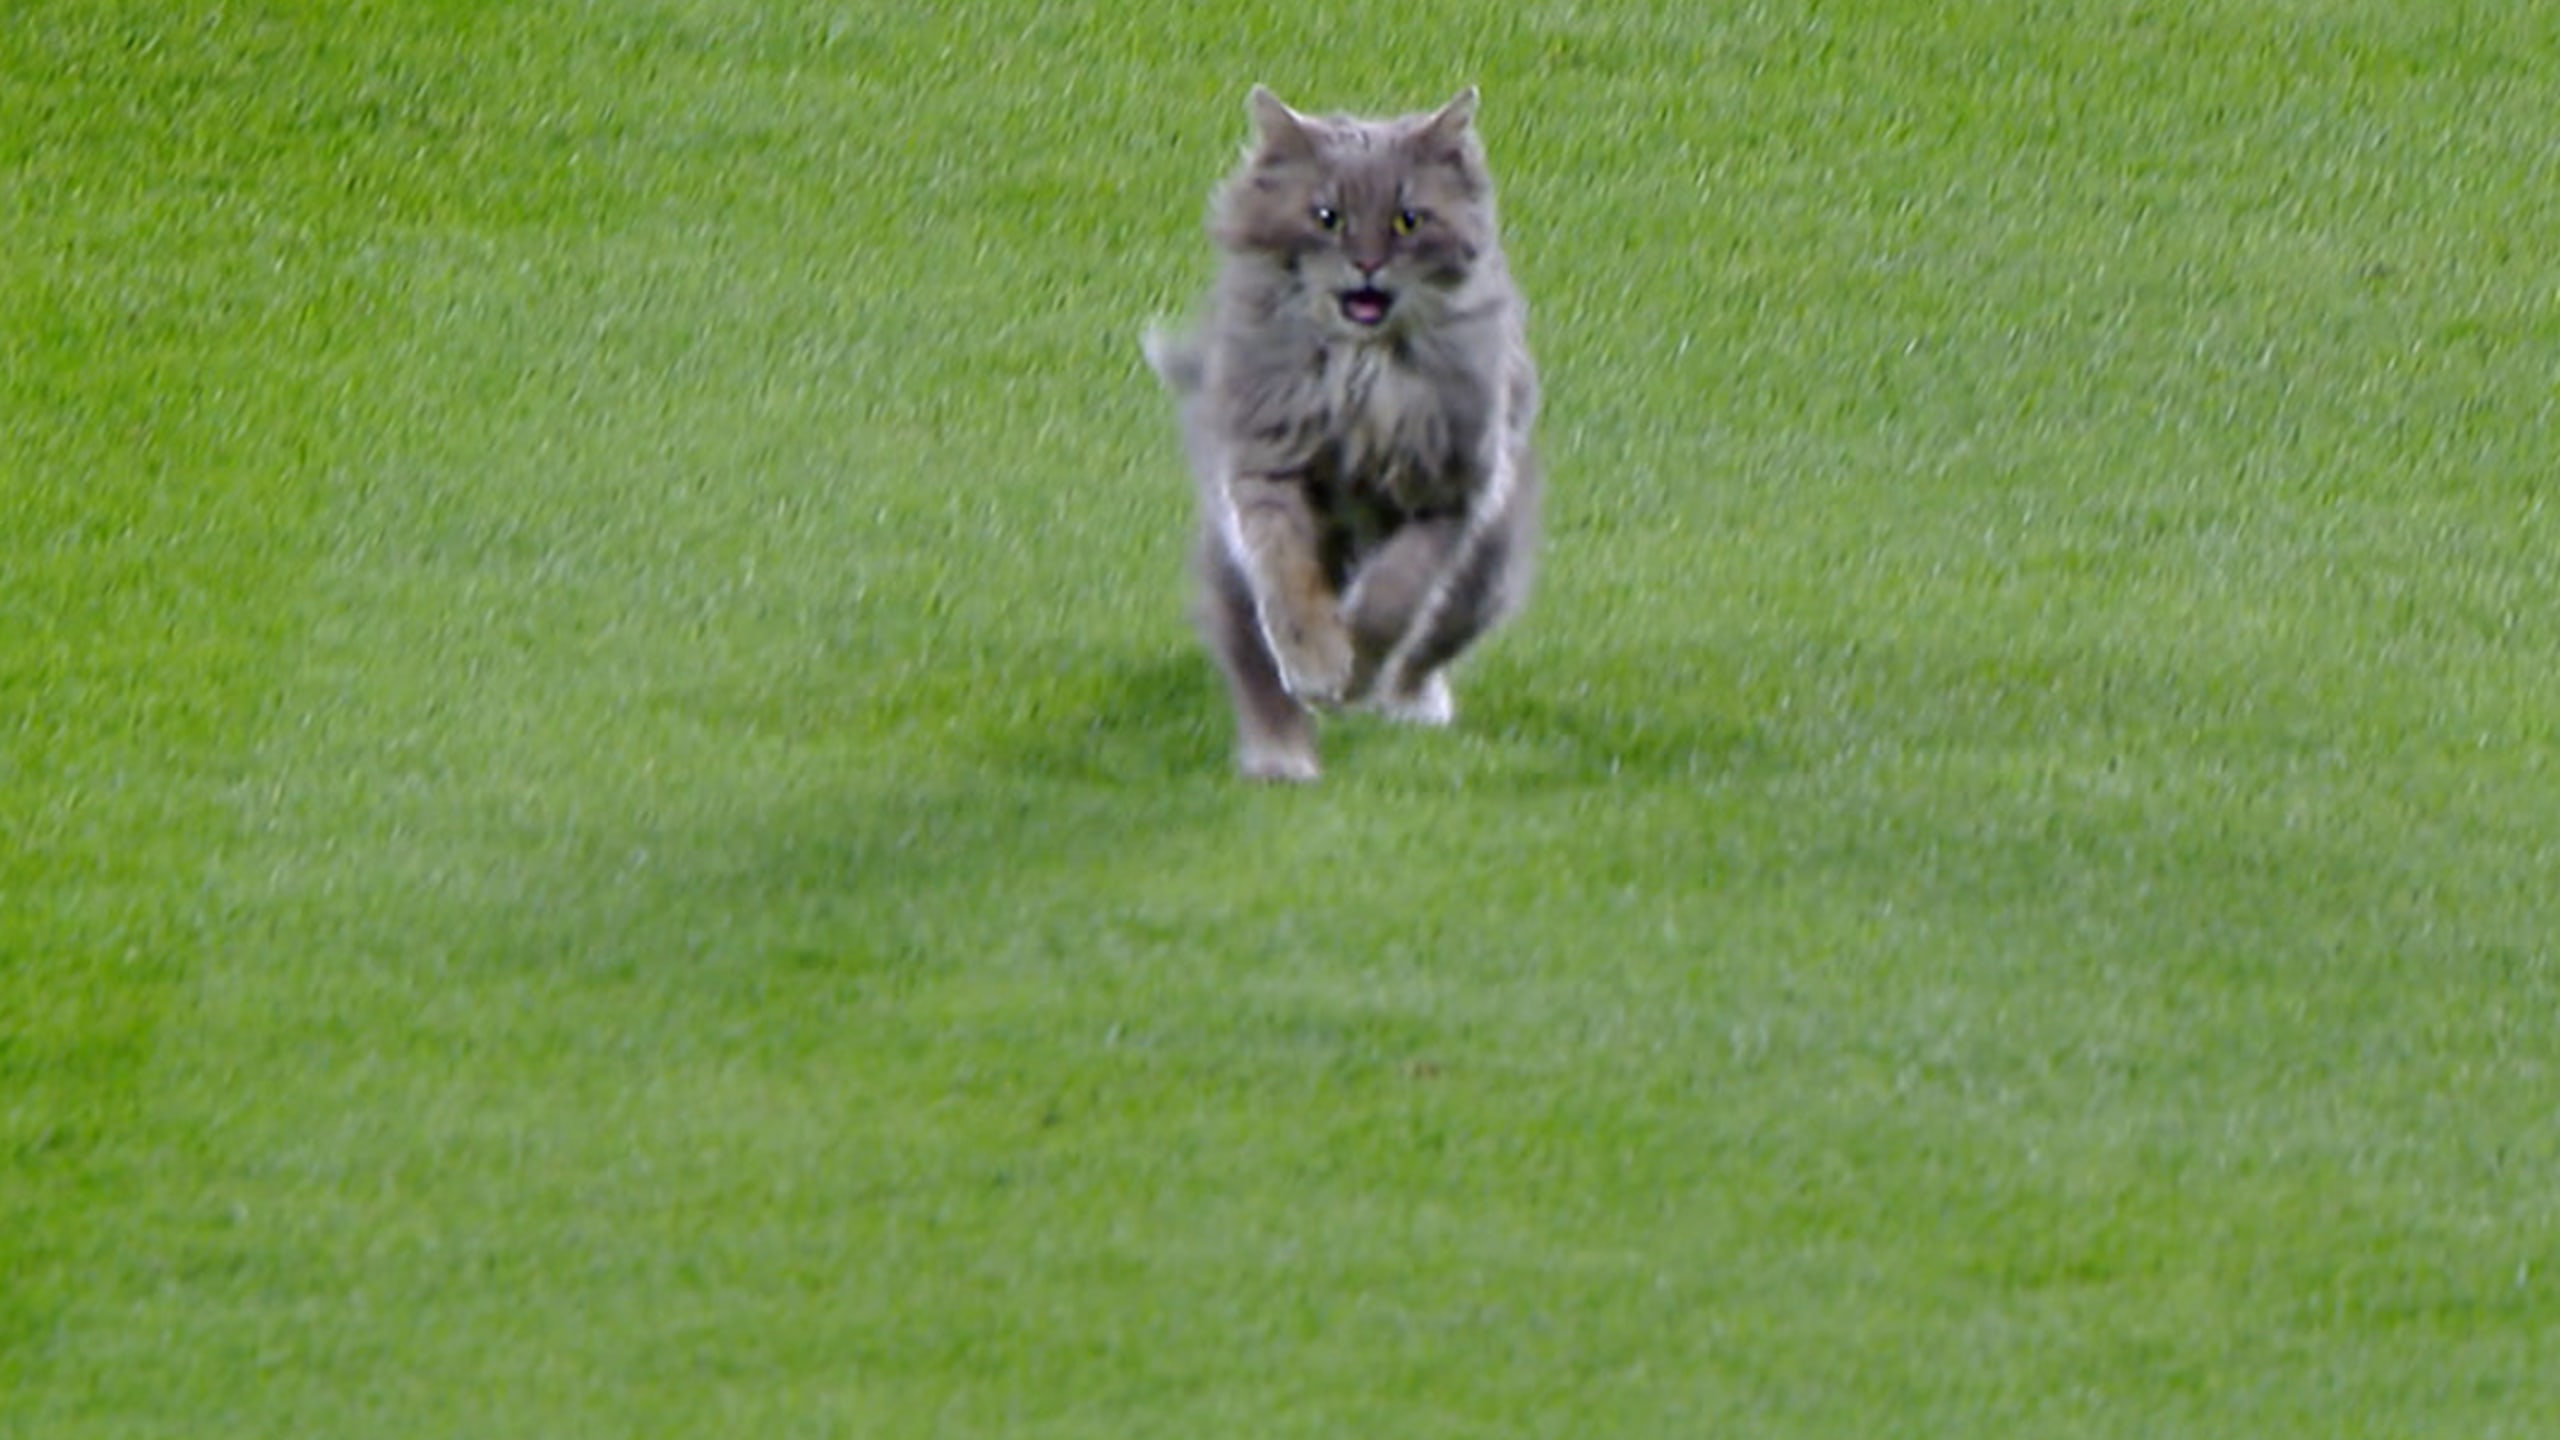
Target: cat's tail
(1177, 359)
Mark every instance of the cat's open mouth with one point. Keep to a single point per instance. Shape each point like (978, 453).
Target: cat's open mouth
(1367, 306)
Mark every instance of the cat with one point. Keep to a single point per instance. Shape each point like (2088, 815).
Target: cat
(1356, 410)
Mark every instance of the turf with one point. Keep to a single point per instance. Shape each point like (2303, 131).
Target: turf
(608, 823)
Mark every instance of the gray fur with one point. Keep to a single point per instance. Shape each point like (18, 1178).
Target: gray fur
(1356, 409)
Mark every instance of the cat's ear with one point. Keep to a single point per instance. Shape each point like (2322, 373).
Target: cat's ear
(1451, 120)
(1280, 132)
(1447, 134)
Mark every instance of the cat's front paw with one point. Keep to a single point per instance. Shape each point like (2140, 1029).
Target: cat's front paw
(1315, 659)
(1426, 702)
(1278, 761)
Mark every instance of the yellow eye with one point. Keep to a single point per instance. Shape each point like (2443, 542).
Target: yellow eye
(1328, 217)
(1406, 222)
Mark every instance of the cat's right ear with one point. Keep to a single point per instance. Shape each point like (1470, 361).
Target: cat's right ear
(1280, 133)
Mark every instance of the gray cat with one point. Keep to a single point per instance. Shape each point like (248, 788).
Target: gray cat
(1356, 409)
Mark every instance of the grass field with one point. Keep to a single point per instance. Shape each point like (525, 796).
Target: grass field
(608, 823)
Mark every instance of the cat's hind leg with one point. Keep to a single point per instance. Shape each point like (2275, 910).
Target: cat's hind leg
(1275, 736)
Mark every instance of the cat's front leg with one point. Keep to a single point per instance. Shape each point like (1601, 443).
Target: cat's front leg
(1387, 595)
(1275, 540)
(1435, 588)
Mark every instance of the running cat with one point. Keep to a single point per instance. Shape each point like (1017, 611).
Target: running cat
(1356, 408)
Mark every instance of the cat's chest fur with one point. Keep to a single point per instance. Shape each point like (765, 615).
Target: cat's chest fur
(1392, 433)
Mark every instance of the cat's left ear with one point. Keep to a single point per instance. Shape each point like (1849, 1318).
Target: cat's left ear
(1445, 134)
(1451, 120)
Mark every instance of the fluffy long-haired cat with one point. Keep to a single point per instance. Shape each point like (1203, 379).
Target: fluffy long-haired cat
(1356, 408)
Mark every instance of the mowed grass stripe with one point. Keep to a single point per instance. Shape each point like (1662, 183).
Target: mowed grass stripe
(175, 409)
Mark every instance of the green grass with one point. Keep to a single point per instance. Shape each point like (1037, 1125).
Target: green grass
(608, 823)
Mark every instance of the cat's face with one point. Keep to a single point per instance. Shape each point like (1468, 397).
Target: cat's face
(1380, 221)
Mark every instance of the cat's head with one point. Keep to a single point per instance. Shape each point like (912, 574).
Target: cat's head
(1380, 221)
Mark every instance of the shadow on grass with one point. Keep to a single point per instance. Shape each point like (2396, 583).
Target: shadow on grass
(1554, 738)
(979, 825)
(1131, 719)
(984, 824)
(1163, 719)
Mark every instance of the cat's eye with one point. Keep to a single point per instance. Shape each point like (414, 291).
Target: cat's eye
(1407, 221)
(1328, 218)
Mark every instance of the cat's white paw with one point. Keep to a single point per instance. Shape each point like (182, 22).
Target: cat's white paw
(1278, 763)
(1429, 703)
